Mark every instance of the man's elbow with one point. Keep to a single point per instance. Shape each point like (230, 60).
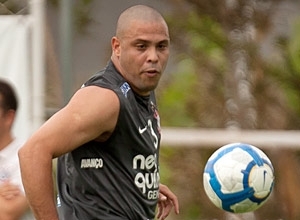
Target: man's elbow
(34, 152)
(27, 154)
(23, 153)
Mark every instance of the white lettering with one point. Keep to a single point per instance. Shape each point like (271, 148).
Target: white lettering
(147, 182)
(139, 181)
(145, 163)
(91, 163)
(153, 194)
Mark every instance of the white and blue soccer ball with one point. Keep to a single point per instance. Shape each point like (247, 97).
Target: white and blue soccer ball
(238, 178)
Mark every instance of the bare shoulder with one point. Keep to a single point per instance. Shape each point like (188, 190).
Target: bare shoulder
(94, 112)
(95, 91)
(96, 106)
(95, 95)
(91, 113)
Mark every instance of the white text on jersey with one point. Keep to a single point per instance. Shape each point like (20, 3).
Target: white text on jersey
(92, 163)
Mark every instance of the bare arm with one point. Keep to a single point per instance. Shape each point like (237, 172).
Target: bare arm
(13, 203)
(91, 112)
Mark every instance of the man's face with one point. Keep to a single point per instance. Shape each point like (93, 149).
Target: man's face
(2, 112)
(6, 119)
(143, 53)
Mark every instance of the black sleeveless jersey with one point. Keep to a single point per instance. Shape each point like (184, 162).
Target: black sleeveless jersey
(117, 179)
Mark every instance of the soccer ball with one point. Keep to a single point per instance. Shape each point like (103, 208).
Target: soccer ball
(238, 178)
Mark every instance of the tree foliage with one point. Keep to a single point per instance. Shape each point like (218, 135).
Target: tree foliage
(215, 42)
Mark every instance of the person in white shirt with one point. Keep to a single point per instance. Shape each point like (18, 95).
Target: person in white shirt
(13, 203)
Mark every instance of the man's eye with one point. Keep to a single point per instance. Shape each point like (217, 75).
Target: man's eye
(162, 46)
(141, 46)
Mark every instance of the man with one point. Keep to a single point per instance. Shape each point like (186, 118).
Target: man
(13, 203)
(108, 134)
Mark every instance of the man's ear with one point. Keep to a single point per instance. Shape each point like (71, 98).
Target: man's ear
(115, 44)
(10, 117)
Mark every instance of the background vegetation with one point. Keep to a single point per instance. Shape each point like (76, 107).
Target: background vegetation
(224, 80)
(232, 71)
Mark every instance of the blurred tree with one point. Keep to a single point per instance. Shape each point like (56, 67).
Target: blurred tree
(81, 11)
(224, 82)
(220, 41)
(288, 74)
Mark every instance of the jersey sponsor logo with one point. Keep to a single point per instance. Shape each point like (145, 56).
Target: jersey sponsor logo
(142, 130)
(147, 179)
(153, 134)
(125, 87)
(91, 163)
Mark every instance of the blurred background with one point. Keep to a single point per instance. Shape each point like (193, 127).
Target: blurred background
(234, 69)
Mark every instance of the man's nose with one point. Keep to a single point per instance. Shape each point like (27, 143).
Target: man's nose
(152, 55)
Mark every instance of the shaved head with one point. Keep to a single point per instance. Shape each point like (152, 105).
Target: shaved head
(140, 48)
(137, 13)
